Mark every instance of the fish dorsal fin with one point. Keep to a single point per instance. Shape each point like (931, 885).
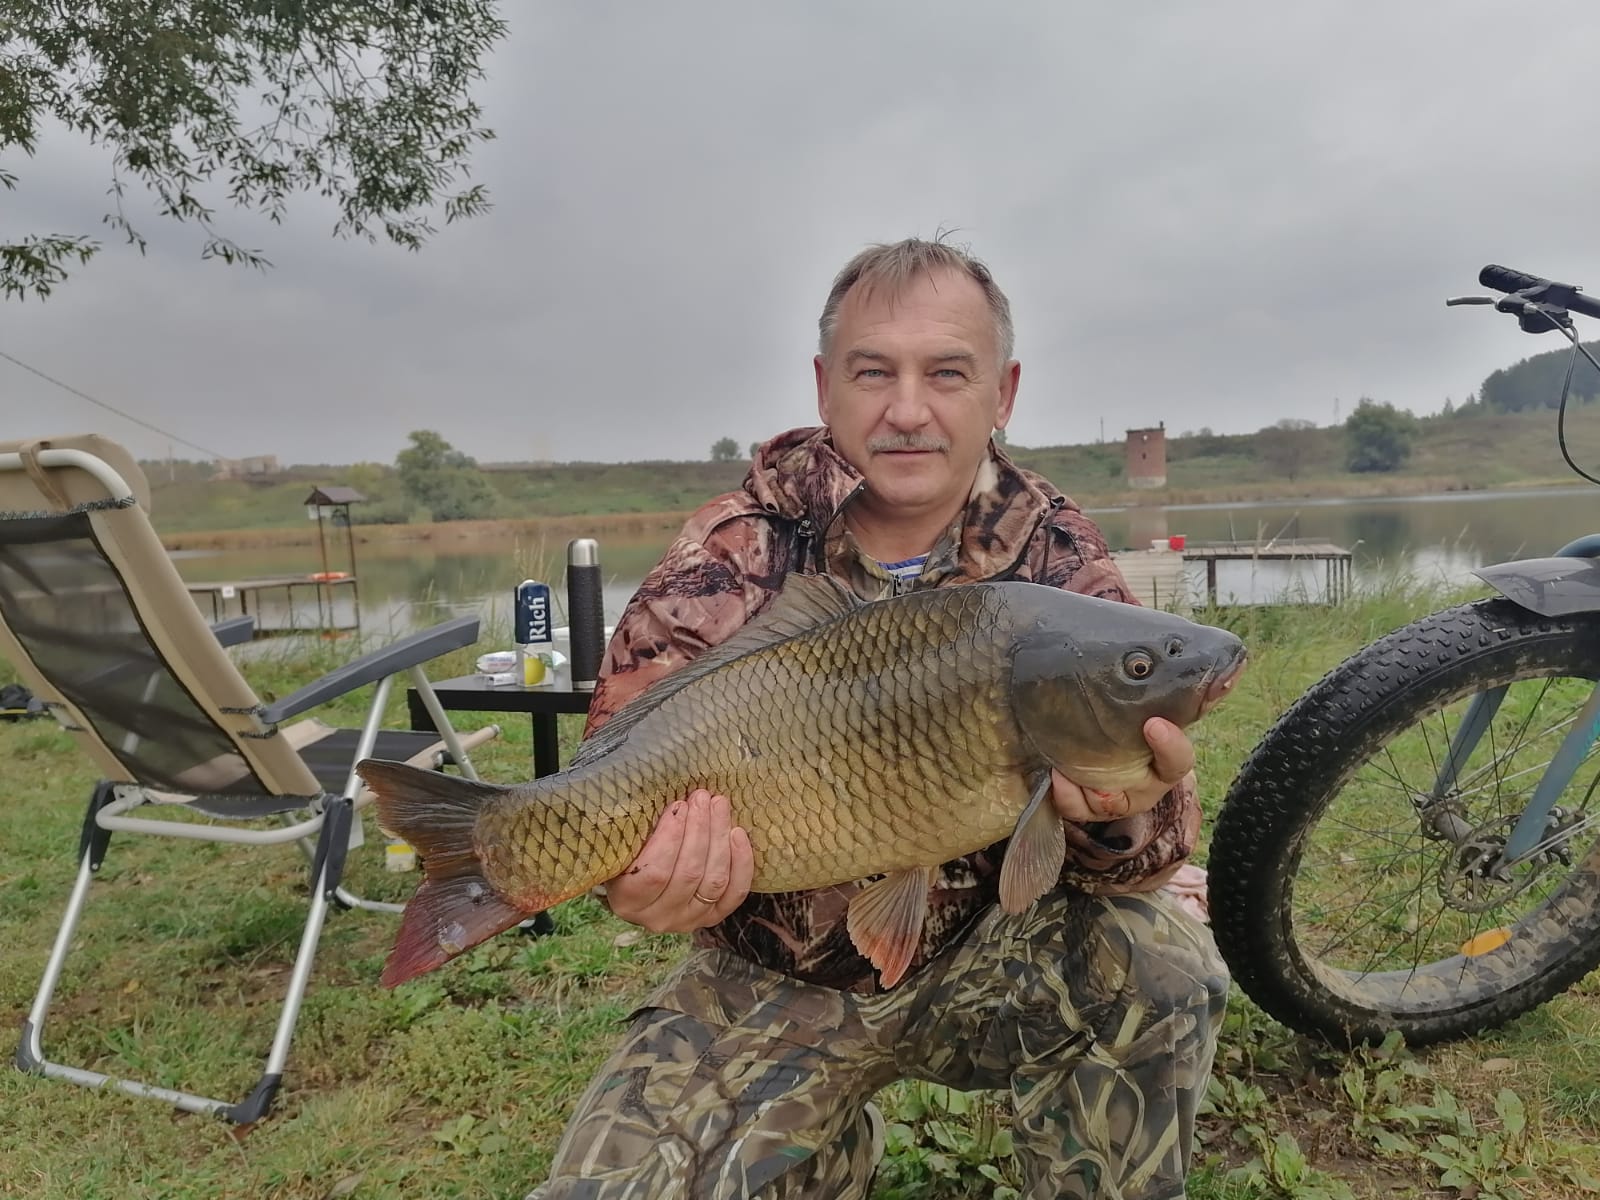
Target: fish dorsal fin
(805, 602)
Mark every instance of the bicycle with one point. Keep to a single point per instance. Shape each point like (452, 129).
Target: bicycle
(1415, 843)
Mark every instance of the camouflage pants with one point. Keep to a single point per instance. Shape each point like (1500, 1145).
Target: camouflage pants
(1099, 1015)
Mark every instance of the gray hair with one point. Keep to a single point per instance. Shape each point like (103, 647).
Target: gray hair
(893, 266)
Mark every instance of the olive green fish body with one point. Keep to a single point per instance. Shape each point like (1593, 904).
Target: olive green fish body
(883, 740)
(852, 740)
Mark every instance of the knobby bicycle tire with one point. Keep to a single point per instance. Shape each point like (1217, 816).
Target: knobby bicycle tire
(1339, 727)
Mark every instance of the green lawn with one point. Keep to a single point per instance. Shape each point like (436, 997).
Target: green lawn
(458, 1083)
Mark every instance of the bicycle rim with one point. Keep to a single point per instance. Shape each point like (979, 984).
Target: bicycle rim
(1393, 917)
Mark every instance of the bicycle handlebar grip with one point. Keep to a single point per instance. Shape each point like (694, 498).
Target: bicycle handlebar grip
(1504, 279)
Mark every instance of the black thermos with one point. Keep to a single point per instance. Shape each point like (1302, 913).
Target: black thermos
(586, 618)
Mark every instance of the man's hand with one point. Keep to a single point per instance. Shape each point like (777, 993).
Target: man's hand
(1174, 759)
(693, 871)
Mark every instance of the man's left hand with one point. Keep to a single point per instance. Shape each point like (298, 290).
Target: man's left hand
(1172, 762)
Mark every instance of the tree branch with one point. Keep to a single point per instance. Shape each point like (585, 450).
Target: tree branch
(369, 104)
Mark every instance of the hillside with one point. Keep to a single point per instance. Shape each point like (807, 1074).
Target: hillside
(1535, 382)
(1461, 452)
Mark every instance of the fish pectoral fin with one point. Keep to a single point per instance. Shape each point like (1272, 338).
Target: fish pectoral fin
(1038, 847)
(885, 920)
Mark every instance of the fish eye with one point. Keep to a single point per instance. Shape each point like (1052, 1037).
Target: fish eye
(1139, 665)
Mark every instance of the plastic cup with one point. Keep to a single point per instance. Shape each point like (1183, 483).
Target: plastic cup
(1177, 541)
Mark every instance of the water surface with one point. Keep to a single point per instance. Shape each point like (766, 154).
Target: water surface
(1435, 538)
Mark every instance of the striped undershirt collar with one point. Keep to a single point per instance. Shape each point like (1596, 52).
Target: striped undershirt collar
(907, 568)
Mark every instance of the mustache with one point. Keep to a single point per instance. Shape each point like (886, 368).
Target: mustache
(907, 441)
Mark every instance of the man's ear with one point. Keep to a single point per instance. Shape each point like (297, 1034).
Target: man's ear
(1010, 378)
(822, 387)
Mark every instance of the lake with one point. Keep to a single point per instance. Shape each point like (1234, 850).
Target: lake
(1436, 538)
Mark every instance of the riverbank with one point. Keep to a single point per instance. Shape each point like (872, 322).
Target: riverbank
(555, 531)
(558, 501)
(533, 531)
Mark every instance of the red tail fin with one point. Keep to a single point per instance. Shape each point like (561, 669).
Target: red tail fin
(443, 918)
(455, 907)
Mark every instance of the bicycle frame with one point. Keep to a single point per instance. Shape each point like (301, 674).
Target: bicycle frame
(1528, 834)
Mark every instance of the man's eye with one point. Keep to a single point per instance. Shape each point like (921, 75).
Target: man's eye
(949, 373)
(871, 373)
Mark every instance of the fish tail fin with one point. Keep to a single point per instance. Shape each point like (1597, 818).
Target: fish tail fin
(455, 907)
(434, 812)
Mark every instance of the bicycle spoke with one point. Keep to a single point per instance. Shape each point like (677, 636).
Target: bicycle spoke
(1395, 774)
(1379, 834)
(1565, 835)
(1384, 876)
(1378, 950)
(1348, 932)
(1400, 902)
(1528, 770)
(1427, 743)
(1518, 739)
(1389, 861)
(1418, 940)
(1494, 760)
(1398, 909)
(1351, 860)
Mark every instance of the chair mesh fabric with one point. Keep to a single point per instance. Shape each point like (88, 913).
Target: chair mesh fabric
(330, 758)
(65, 603)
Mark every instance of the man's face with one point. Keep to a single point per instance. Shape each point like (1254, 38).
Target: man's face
(912, 388)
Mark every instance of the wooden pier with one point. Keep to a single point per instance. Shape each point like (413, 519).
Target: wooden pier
(1337, 562)
(1160, 578)
(1156, 578)
(219, 597)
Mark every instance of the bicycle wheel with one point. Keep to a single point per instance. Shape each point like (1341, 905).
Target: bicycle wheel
(1338, 903)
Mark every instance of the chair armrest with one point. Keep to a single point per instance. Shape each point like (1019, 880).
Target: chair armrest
(235, 630)
(410, 651)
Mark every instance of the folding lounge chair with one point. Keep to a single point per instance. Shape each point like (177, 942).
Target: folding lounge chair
(99, 625)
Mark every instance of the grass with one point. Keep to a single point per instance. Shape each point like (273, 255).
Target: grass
(459, 1083)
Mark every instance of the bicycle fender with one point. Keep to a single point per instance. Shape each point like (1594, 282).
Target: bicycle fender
(1551, 587)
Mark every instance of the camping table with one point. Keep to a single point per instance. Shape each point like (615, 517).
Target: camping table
(472, 693)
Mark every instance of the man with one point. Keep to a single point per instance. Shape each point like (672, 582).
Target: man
(750, 1072)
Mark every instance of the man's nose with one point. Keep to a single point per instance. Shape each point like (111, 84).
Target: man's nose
(908, 410)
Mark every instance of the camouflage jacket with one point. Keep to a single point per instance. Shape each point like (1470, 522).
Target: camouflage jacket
(731, 558)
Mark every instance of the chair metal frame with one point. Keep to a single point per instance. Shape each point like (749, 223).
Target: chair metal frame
(331, 829)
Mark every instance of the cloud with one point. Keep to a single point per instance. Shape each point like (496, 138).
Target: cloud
(1217, 215)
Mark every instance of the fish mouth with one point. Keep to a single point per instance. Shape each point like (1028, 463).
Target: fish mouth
(1223, 677)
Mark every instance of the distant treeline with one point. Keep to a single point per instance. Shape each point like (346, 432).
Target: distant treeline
(1477, 445)
(1536, 382)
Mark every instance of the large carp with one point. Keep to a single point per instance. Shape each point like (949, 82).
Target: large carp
(853, 739)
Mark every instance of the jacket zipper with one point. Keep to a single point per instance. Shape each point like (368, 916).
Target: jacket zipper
(809, 537)
(803, 536)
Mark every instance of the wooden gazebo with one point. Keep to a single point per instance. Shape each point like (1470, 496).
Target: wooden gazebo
(332, 504)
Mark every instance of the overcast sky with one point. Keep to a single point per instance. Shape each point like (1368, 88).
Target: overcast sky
(1209, 215)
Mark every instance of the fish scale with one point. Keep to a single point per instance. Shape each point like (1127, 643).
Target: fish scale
(694, 740)
(854, 741)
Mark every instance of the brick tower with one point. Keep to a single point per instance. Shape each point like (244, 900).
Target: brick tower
(1147, 457)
